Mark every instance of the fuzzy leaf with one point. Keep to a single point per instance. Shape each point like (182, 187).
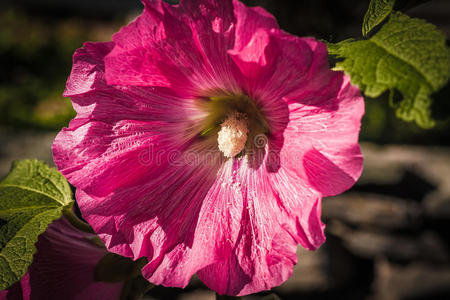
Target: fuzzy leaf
(377, 12)
(407, 55)
(31, 197)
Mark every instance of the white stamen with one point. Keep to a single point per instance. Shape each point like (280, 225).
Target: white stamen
(232, 135)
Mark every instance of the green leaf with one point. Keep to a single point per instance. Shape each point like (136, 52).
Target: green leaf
(377, 12)
(406, 55)
(31, 197)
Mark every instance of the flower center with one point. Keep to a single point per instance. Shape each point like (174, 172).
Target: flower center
(233, 123)
(232, 135)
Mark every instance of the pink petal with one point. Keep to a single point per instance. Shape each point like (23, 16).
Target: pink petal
(151, 186)
(276, 64)
(174, 229)
(248, 21)
(117, 129)
(321, 141)
(146, 54)
(18, 291)
(63, 268)
(88, 69)
(161, 220)
(101, 157)
(277, 213)
(252, 39)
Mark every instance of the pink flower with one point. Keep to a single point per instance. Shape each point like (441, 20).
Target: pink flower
(63, 268)
(205, 139)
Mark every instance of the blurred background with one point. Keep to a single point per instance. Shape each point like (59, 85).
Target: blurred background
(388, 237)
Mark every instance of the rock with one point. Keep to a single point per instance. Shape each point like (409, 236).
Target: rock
(417, 280)
(434, 248)
(437, 205)
(329, 268)
(377, 169)
(370, 244)
(310, 273)
(388, 164)
(370, 210)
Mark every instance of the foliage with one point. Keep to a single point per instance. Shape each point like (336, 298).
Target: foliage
(31, 197)
(377, 12)
(406, 58)
(36, 57)
(407, 55)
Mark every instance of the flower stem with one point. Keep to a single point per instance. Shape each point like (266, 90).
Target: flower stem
(76, 222)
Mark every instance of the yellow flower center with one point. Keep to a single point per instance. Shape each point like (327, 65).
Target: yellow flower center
(233, 122)
(232, 135)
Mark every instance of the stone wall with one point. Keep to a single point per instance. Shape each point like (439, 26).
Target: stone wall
(388, 237)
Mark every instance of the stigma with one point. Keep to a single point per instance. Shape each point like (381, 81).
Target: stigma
(232, 135)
